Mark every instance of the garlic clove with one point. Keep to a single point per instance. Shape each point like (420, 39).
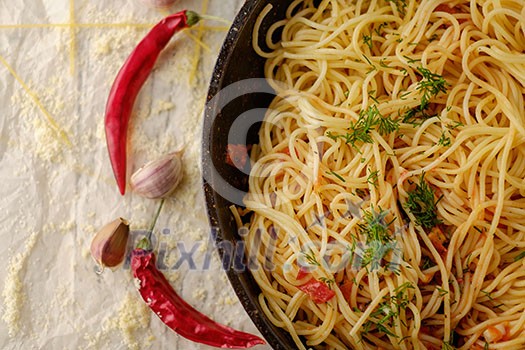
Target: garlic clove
(158, 178)
(108, 247)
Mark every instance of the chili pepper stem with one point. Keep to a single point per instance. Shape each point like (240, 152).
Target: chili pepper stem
(192, 18)
(145, 243)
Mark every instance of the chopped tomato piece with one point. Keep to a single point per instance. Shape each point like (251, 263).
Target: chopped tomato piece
(451, 10)
(237, 155)
(287, 151)
(303, 272)
(317, 291)
(346, 289)
(494, 334)
(437, 237)
(446, 8)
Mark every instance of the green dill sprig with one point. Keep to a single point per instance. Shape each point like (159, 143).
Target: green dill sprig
(422, 204)
(367, 40)
(427, 263)
(373, 178)
(379, 29)
(401, 6)
(337, 175)
(372, 66)
(411, 60)
(519, 256)
(374, 226)
(444, 140)
(328, 281)
(368, 120)
(310, 258)
(387, 313)
(379, 240)
(430, 86)
(442, 292)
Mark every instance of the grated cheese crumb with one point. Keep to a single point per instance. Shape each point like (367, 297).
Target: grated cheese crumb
(199, 294)
(228, 300)
(13, 294)
(162, 106)
(132, 316)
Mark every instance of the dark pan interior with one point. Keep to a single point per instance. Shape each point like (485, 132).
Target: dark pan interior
(237, 61)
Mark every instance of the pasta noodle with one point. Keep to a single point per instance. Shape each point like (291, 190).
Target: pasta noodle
(387, 191)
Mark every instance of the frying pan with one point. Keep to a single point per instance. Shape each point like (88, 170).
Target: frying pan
(237, 98)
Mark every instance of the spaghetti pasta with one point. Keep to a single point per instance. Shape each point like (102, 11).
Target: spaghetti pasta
(391, 169)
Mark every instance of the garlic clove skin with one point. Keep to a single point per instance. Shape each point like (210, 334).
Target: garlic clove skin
(159, 3)
(158, 178)
(108, 247)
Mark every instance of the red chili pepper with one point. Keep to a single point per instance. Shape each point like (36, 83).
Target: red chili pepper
(128, 83)
(317, 291)
(178, 314)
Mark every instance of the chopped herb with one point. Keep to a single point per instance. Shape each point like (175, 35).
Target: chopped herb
(367, 39)
(310, 258)
(444, 140)
(381, 26)
(384, 318)
(383, 64)
(404, 95)
(430, 86)
(378, 237)
(520, 256)
(422, 204)
(373, 67)
(447, 346)
(454, 125)
(486, 346)
(467, 263)
(401, 6)
(433, 37)
(442, 292)
(360, 192)
(347, 92)
(373, 178)
(328, 281)
(403, 339)
(337, 175)
(411, 60)
(427, 263)
(387, 125)
(478, 229)
(371, 95)
(487, 294)
(368, 120)
(375, 227)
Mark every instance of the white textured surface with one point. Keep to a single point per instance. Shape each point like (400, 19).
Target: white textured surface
(53, 197)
